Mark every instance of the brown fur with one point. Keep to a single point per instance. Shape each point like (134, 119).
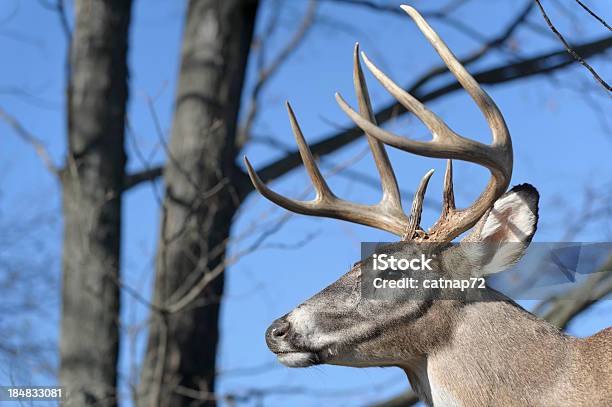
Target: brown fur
(497, 354)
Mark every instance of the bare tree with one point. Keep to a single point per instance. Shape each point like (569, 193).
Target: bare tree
(200, 200)
(92, 181)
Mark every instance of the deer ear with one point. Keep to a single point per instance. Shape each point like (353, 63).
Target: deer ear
(502, 235)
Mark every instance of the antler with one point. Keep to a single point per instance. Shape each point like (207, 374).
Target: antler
(445, 143)
(388, 214)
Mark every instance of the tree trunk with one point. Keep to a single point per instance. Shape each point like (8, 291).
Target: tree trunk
(200, 202)
(92, 182)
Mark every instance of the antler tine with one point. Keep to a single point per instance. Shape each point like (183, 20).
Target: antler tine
(414, 220)
(386, 215)
(391, 194)
(434, 123)
(320, 186)
(448, 197)
(490, 110)
(453, 145)
(305, 208)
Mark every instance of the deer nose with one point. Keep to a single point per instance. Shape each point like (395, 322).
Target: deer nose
(277, 331)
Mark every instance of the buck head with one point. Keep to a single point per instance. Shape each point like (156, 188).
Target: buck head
(341, 326)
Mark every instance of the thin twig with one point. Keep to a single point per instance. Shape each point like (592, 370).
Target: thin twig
(267, 71)
(63, 16)
(29, 138)
(571, 51)
(588, 10)
(386, 8)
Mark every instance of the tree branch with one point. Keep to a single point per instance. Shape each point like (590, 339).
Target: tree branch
(59, 7)
(563, 309)
(386, 8)
(394, 9)
(405, 399)
(595, 16)
(32, 140)
(266, 72)
(572, 51)
(444, 14)
(150, 174)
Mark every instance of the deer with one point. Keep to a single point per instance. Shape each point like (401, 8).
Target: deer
(454, 352)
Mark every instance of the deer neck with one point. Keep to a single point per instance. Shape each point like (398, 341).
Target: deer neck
(493, 350)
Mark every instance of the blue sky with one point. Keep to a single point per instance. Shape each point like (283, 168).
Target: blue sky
(561, 145)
